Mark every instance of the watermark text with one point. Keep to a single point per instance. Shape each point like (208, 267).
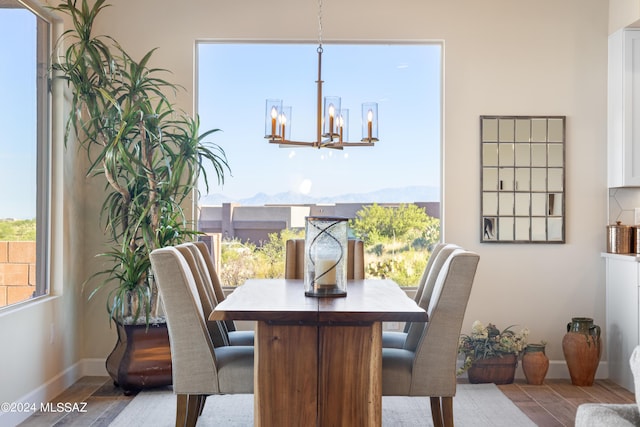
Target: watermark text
(65, 407)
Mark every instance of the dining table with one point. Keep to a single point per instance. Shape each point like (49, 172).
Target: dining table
(318, 358)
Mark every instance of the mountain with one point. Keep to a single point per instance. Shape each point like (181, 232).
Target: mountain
(386, 195)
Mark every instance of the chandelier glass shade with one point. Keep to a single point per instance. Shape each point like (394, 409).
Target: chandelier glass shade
(332, 121)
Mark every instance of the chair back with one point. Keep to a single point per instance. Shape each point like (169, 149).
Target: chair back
(434, 252)
(213, 274)
(192, 354)
(214, 279)
(434, 364)
(436, 261)
(218, 330)
(294, 259)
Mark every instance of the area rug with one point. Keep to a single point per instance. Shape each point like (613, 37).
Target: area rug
(478, 405)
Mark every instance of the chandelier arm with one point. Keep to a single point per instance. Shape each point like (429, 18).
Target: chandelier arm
(281, 140)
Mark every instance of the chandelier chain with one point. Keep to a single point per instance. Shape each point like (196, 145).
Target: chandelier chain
(320, 23)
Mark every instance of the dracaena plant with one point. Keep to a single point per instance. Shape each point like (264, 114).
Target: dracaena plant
(149, 155)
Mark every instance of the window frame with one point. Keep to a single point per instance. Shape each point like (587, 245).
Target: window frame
(45, 23)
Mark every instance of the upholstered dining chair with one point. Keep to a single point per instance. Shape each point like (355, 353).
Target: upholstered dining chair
(430, 369)
(217, 330)
(207, 279)
(408, 338)
(423, 279)
(294, 259)
(198, 368)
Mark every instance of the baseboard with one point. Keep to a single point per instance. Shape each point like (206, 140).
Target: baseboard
(558, 370)
(47, 391)
(42, 394)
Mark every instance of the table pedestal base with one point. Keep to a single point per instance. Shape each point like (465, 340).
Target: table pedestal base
(330, 373)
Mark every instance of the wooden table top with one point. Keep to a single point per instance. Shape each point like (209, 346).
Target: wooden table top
(283, 300)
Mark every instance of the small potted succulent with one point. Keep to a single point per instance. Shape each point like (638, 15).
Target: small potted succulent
(491, 355)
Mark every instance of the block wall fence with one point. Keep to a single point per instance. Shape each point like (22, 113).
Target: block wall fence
(17, 271)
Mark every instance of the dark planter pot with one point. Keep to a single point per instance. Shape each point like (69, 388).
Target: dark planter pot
(497, 370)
(141, 358)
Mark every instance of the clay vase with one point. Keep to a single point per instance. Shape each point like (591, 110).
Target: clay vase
(535, 364)
(582, 349)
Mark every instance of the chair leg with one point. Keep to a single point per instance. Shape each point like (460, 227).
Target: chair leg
(203, 400)
(447, 410)
(181, 409)
(436, 412)
(188, 409)
(193, 410)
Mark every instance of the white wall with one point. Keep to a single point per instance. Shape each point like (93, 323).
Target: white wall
(623, 13)
(501, 57)
(41, 351)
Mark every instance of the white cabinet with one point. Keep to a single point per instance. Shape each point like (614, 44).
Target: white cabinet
(623, 316)
(623, 139)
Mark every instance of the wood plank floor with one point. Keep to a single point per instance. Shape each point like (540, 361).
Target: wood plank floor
(552, 404)
(556, 401)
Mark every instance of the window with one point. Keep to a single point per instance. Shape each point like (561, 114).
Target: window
(234, 80)
(25, 40)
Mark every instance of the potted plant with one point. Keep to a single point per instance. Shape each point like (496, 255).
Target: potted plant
(150, 157)
(491, 355)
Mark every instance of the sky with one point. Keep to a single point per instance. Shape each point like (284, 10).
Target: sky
(17, 114)
(234, 81)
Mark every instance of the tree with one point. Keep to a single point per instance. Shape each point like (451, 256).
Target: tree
(376, 224)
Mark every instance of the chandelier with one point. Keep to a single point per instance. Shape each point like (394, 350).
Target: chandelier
(332, 121)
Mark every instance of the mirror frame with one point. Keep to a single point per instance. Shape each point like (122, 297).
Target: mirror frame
(513, 147)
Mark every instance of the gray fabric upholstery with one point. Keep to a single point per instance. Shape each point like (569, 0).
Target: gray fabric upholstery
(397, 365)
(413, 330)
(198, 368)
(217, 330)
(432, 371)
(434, 253)
(241, 337)
(607, 414)
(294, 259)
(614, 415)
(235, 369)
(210, 268)
(210, 280)
(393, 339)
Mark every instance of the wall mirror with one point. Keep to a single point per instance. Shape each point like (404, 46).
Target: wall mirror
(522, 179)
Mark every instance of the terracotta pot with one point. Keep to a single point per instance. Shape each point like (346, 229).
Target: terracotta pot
(582, 349)
(535, 364)
(497, 370)
(141, 358)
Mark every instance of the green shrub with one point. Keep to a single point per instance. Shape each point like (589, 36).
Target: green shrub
(387, 256)
(18, 230)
